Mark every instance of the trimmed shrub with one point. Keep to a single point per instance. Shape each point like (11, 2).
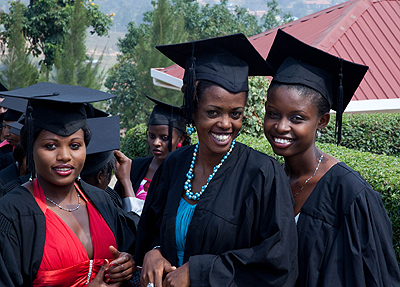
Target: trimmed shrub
(134, 143)
(377, 133)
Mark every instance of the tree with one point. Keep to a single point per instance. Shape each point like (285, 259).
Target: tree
(273, 19)
(73, 67)
(130, 78)
(19, 70)
(45, 23)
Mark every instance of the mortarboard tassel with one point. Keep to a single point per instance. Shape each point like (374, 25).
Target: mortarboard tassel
(170, 131)
(29, 120)
(339, 105)
(190, 92)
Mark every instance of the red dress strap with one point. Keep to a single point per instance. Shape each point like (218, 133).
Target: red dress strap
(65, 261)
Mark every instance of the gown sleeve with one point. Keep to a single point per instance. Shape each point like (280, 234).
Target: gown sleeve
(367, 252)
(10, 267)
(270, 262)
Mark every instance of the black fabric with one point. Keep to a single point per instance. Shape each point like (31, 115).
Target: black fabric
(9, 186)
(114, 196)
(95, 162)
(139, 169)
(242, 232)
(23, 230)
(5, 150)
(6, 159)
(12, 115)
(345, 234)
(59, 93)
(8, 174)
(62, 119)
(295, 62)
(163, 114)
(227, 60)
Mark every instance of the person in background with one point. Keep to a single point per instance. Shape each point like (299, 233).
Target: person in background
(345, 234)
(166, 131)
(57, 230)
(100, 160)
(217, 213)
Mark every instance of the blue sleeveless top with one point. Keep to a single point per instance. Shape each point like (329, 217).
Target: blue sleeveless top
(183, 219)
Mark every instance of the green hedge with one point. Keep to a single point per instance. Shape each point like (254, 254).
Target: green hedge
(377, 133)
(380, 171)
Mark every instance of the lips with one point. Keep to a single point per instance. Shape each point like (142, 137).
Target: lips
(157, 152)
(221, 138)
(63, 170)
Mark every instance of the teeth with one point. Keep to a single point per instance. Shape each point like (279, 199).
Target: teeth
(221, 138)
(63, 169)
(283, 141)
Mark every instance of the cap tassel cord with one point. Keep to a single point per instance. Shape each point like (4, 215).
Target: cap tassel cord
(29, 141)
(339, 105)
(190, 93)
(170, 127)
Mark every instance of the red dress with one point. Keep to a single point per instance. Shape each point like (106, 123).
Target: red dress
(65, 261)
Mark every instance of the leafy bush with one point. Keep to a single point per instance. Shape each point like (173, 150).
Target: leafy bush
(134, 144)
(377, 133)
(253, 117)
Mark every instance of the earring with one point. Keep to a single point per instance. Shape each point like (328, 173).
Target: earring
(179, 145)
(78, 178)
(191, 129)
(318, 133)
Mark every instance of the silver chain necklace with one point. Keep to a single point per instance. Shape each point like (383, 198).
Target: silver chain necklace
(315, 171)
(66, 209)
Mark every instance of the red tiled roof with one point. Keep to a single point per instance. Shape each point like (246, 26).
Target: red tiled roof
(362, 31)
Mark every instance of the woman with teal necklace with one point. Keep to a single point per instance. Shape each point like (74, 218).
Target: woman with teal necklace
(218, 213)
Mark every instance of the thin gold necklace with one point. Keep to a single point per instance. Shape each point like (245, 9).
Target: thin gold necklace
(315, 171)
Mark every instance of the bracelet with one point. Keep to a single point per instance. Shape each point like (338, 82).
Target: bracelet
(155, 247)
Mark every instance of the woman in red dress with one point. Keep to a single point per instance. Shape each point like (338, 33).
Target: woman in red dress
(74, 231)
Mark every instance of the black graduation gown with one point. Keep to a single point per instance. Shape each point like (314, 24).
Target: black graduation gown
(241, 233)
(8, 174)
(345, 234)
(23, 231)
(6, 160)
(139, 169)
(13, 184)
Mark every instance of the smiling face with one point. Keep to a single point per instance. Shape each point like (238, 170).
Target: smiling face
(291, 121)
(157, 138)
(218, 118)
(59, 160)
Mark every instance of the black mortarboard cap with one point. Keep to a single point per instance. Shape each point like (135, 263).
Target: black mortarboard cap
(15, 127)
(2, 88)
(295, 62)
(165, 114)
(16, 108)
(105, 139)
(56, 108)
(226, 61)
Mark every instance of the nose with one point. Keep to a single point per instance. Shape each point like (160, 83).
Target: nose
(63, 154)
(225, 122)
(282, 126)
(157, 142)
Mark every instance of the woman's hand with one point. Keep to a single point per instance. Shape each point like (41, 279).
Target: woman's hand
(154, 267)
(123, 174)
(121, 267)
(178, 278)
(98, 280)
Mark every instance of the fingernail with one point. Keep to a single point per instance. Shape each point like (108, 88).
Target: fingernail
(111, 264)
(107, 275)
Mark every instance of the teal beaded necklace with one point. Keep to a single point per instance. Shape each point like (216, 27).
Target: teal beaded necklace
(190, 175)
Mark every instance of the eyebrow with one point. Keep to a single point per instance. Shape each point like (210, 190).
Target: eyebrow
(219, 108)
(56, 140)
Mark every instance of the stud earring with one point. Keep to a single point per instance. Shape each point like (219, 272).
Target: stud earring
(179, 145)
(79, 177)
(318, 133)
